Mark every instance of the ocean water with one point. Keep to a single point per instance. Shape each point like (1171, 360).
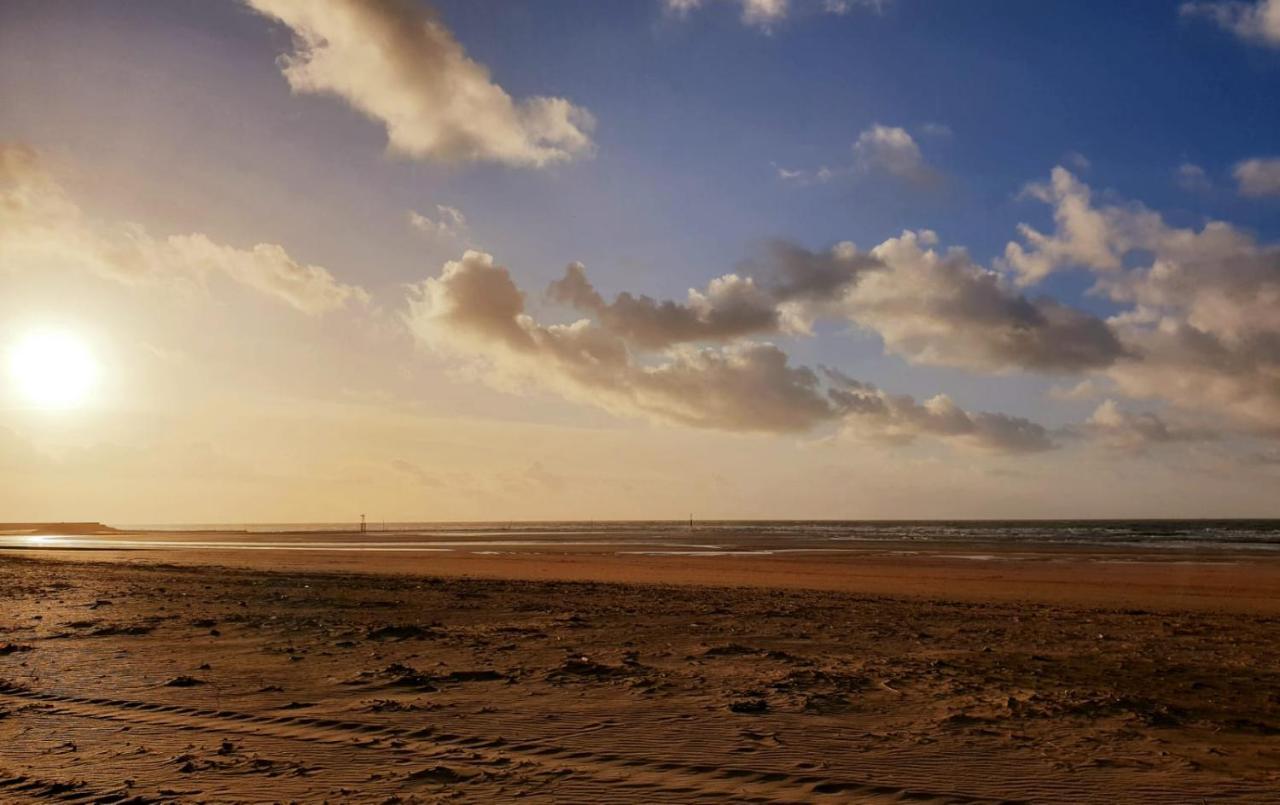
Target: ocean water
(715, 537)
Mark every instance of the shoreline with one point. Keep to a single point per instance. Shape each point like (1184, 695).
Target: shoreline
(1202, 580)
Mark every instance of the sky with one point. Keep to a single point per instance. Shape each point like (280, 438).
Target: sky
(468, 260)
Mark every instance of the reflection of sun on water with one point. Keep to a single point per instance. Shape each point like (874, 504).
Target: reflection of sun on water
(52, 369)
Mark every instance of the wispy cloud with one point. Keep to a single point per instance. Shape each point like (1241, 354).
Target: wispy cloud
(42, 225)
(1192, 178)
(764, 15)
(1257, 21)
(449, 223)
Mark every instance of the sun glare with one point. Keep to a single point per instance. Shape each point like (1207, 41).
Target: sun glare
(52, 369)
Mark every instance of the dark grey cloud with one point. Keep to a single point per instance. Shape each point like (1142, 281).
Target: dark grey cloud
(927, 307)
(729, 308)
(475, 307)
(870, 413)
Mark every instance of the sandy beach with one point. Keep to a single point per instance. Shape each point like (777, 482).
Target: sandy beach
(665, 401)
(952, 674)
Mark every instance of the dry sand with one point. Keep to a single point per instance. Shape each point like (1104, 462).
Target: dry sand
(876, 677)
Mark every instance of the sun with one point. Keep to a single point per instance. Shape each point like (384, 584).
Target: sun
(53, 369)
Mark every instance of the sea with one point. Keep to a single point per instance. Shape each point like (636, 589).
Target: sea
(687, 537)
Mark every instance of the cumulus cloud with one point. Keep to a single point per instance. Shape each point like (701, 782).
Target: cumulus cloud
(885, 150)
(944, 309)
(1256, 21)
(475, 308)
(1258, 177)
(1085, 235)
(1198, 327)
(1120, 429)
(798, 286)
(398, 64)
(448, 223)
(892, 150)
(731, 306)
(41, 225)
(800, 275)
(1201, 326)
(930, 308)
(870, 413)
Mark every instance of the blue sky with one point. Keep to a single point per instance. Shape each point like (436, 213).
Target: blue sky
(694, 112)
(176, 116)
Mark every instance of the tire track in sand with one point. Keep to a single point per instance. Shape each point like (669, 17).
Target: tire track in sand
(609, 769)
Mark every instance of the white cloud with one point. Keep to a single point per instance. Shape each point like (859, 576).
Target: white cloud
(1120, 429)
(399, 65)
(1258, 177)
(1202, 324)
(885, 150)
(43, 226)
(265, 267)
(944, 309)
(1198, 328)
(1077, 160)
(1085, 236)
(762, 14)
(892, 150)
(1084, 390)
(765, 14)
(1257, 21)
(1192, 178)
(449, 223)
(788, 175)
(822, 175)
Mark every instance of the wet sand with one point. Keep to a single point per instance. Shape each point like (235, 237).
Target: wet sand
(963, 673)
